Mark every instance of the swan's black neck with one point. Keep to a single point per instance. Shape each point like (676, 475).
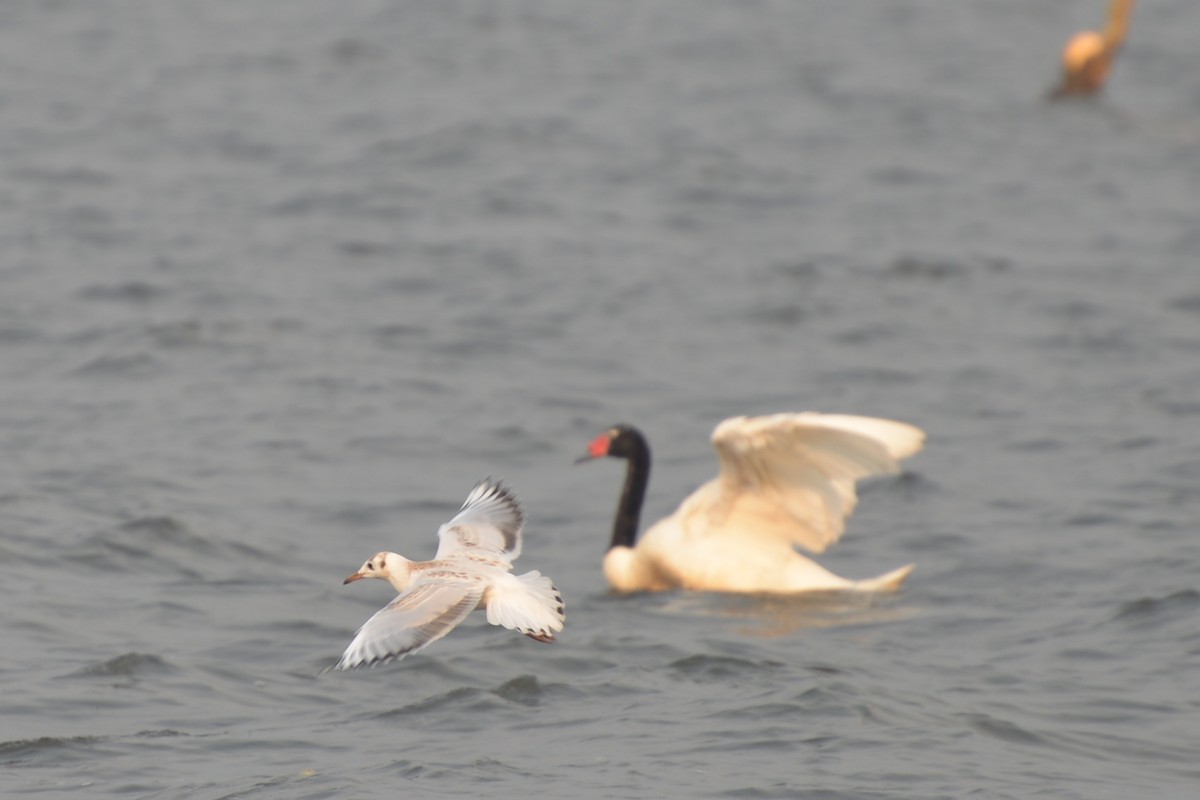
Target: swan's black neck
(631, 446)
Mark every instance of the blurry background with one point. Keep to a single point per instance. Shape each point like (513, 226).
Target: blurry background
(279, 281)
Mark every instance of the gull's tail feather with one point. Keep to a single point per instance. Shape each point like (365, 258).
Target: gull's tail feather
(528, 603)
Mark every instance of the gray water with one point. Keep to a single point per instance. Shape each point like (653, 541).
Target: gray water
(280, 281)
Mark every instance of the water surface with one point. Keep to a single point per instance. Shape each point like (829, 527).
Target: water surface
(280, 281)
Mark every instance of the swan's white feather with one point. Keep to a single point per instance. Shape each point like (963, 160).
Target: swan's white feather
(791, 477)
(785, 480)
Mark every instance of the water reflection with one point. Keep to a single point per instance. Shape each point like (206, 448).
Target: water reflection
(771, 615)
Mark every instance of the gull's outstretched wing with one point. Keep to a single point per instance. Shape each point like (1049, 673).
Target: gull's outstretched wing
(489, 523)
(414, 620)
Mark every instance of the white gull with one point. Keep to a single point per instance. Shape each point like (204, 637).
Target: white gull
(471, 570)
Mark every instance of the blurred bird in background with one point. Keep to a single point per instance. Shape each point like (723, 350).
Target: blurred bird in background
(1088, 56)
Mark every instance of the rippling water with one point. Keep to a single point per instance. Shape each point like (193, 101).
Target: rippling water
(282, 280)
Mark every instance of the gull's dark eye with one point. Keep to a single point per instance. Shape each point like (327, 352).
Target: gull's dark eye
(370, 565)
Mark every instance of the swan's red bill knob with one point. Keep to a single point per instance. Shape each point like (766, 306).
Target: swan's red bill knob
(599, 446)
(597, 449)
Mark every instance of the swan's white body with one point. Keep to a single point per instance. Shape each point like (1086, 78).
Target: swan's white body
(786, 480)
(471, 570)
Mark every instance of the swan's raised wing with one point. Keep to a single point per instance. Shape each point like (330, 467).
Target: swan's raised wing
(489, 523)
(414, 620)
(790, 477)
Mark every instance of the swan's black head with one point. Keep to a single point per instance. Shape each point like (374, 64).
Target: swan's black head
(619, 441)
(627, 442)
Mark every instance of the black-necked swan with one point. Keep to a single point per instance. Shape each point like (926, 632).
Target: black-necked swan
(785, 480)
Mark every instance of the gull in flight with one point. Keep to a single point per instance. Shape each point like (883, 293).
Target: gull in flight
(471, 570)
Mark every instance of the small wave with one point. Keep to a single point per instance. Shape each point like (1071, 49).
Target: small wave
(138, 292)
(177, 334)
(1092, 342)
(360, 248)
(784, 315)
(1093, 520)
(523, 689)
(1004, 730)
(720, 668)
(360, 515)
(161, 733)
(125, 665)
(867, 334)
(461, 698)
(163, 542)
(21, 751)
(882, 376)
(63, 176)
(1173, 403)
(397, 335)
(142, 538)
(1169, 756)
(479, 770)
(1159, 609)
(1138, 443)
(11, 334)
(804, 270)
(1188, 303)
(510, 441)
(761, 712)
(1041, 444)
(484, 345)
(936, 268)
(134, 365)
(42, 743)
(909, 484)
(790, 792)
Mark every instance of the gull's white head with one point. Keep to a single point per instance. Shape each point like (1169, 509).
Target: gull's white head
(391, 567)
